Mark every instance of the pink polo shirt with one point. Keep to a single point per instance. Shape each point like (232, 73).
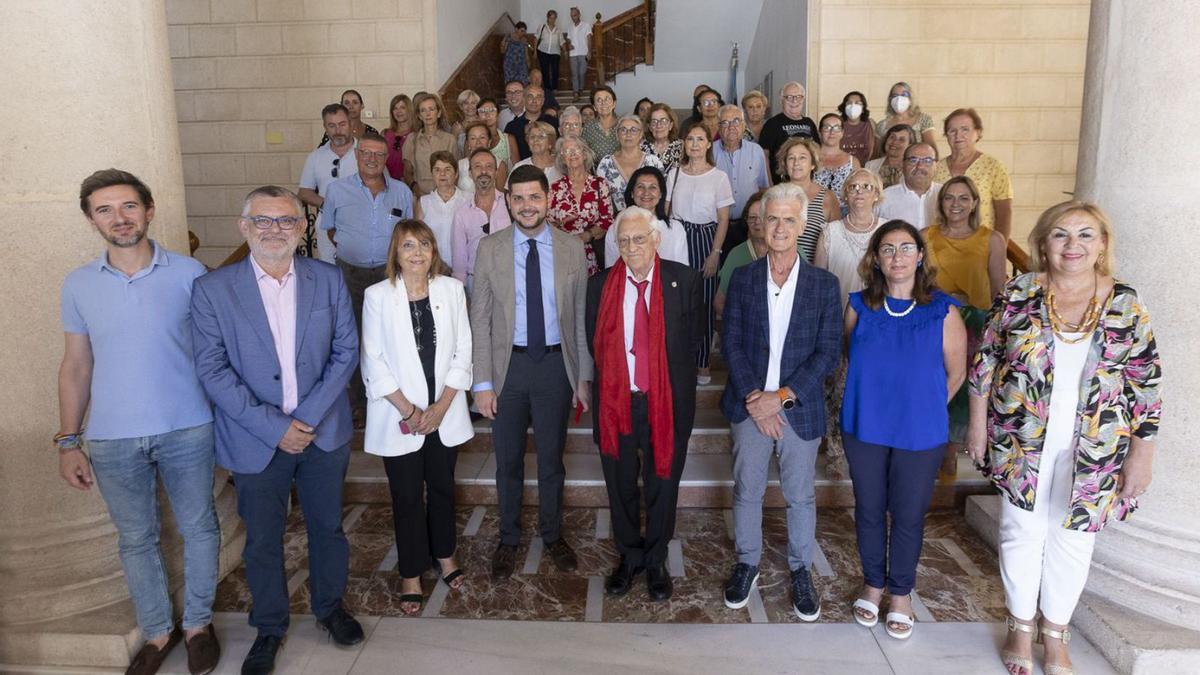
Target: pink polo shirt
(468, 230)
(279, 301)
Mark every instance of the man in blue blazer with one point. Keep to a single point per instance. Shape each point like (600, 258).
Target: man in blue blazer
(275, 346)
(781, 337)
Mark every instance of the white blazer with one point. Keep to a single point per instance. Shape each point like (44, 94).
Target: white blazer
(390, 361)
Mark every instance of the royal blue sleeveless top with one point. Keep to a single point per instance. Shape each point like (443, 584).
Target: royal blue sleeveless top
(896, 381)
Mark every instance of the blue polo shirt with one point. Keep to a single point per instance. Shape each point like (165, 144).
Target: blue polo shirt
(140, 328)
(363, 222)
(747, 171)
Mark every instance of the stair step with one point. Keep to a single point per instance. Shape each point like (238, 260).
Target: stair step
(707, 482)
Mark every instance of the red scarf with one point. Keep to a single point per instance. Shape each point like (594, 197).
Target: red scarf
(609, 348)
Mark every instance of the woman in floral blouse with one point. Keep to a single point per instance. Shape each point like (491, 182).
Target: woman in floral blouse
(1064, 409)
(580, 203)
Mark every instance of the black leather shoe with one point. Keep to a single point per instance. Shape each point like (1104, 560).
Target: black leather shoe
(658, 582)
(261, 659)
(619, 582)
(504, 562)
(343, 628)
(562, 555)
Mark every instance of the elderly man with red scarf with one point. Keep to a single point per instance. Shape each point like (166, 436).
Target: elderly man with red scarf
(644, 323)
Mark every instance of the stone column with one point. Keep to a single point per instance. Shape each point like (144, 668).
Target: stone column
(1137, 159)
(89, 87)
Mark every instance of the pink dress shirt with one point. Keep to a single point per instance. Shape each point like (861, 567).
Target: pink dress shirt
(468, 230)
(279, 301)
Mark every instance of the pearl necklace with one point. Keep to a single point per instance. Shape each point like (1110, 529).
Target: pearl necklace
(898, 314)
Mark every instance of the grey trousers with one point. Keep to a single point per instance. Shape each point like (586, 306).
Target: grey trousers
(797, 468)
(578, 72)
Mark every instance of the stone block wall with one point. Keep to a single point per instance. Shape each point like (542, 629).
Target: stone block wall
(1020, 64)
(251, 77)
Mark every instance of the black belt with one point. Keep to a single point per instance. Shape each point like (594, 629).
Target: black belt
(550, 349)
(637, 394)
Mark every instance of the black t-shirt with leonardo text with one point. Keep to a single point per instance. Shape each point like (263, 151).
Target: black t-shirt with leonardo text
(780, 128)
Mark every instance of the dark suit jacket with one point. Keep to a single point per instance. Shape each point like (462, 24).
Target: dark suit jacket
(239, 368)
(683, 309)
(810, 351)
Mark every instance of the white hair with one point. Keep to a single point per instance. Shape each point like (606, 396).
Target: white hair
(731, 106)
(785, 192)
(272, 192)
(634, 212)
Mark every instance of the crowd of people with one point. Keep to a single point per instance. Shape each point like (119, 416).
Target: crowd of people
(526, 264)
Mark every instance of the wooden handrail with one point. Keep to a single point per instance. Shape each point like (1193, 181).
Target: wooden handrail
(1018, 257)
(237, 256)
(600, 28)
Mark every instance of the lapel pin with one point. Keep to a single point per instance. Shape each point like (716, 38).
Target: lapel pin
(674, 284)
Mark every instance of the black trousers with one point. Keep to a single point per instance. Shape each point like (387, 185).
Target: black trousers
(662, 495)
(537, 391)
(422, 487)
(549, 66)
(358, 279)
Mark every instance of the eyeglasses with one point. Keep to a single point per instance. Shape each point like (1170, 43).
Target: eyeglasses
(831, 127)
(903, 250)
(794, 98)
(859, 188)
(284, 222)
(638, 240)
(708, 103)
(336, 161)
(920, 161)
(660, 122)
(570, 125)
(368, 154)
(571, 152)
(629, 131)
(729, 123)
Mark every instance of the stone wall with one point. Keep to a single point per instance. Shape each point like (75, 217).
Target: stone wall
(1020, 64)
(251, 77)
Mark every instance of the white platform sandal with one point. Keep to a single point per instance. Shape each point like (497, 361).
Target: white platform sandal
(867, 607)
(904, 621)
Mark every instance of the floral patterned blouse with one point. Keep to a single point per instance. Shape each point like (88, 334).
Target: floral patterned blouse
(669, 157)
(593, 208)
(611, 173)
(1119, 398)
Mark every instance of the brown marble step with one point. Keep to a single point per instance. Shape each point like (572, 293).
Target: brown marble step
(707, 481)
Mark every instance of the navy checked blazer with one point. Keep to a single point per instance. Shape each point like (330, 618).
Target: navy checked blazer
(811, 349)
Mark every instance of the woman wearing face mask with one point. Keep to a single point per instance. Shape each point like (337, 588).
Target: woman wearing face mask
(858, 133)
(903, 109)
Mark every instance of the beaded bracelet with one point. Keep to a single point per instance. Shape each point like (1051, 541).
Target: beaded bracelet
(69, 441)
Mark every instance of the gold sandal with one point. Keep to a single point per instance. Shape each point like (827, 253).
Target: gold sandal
(1063, 636)
(1010, 659)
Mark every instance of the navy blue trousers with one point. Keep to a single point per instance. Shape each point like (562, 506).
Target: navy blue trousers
(263, 507)
(891, 481)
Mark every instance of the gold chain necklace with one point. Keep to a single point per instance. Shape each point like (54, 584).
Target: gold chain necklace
(1060, 326)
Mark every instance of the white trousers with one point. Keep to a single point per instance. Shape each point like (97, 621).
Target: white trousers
(1038, 556)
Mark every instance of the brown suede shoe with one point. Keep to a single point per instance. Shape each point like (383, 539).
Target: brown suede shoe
(150, 658)
(203, 651)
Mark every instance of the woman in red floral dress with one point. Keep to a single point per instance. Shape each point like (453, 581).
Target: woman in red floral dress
(580, 203)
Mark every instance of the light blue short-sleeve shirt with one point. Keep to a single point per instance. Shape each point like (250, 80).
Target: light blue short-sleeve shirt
(140, 328)
(364, 222)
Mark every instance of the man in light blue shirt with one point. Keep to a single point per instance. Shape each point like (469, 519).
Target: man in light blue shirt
(744, 162)
(128, 355)
(361, 211)
(531, 361)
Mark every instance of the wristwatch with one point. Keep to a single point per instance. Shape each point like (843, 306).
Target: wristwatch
(786, 399)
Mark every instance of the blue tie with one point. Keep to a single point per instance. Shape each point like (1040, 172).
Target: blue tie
(535, 316)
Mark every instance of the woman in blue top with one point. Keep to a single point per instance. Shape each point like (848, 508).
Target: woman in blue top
(907, 355)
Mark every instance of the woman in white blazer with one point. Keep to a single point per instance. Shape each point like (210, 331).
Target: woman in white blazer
(416, 364)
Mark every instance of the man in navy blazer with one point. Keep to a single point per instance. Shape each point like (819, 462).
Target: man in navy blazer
(781, 337)
(275, 346)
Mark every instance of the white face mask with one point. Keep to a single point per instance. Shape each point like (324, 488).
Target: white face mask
(854, 110)
(900, 103)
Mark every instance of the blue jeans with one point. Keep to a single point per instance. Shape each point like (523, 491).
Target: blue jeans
(263, 505)
(127, 471)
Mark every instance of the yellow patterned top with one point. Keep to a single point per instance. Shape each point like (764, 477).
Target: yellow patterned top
(991, 179)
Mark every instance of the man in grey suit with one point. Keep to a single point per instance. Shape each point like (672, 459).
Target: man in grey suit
(531, 358)
(275, 345)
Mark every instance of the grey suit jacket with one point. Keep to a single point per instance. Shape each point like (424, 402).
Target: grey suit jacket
(493, 304)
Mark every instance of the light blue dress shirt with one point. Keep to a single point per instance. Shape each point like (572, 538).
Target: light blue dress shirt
(549, 305)
(747, 171)
(364, 223)
(140, 328)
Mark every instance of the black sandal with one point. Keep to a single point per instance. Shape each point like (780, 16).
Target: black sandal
(451, 577)
(417, 598)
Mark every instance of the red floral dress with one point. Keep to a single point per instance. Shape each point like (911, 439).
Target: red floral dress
(593, 208)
